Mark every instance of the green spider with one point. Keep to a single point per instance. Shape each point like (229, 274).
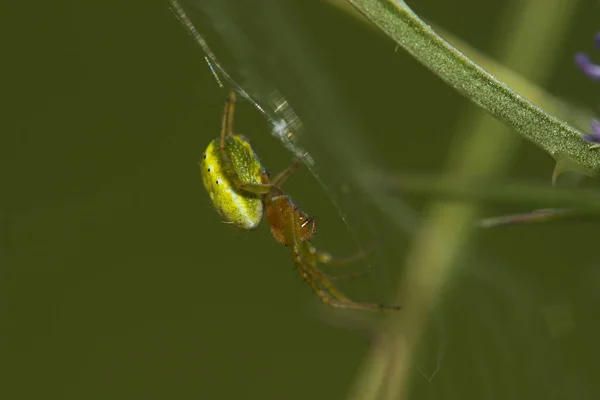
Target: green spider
(242, 192)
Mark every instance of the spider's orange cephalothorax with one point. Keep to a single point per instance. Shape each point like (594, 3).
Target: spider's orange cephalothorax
(283, 214)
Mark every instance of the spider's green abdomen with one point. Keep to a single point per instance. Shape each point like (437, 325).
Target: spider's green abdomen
(238, 207)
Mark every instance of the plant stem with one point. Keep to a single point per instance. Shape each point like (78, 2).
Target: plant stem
(403, 26)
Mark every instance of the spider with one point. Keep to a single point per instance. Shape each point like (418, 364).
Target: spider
(242, 193)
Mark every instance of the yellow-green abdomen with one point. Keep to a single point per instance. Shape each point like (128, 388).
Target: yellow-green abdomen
(241, 208)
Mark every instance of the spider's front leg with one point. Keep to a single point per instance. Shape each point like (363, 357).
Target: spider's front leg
(327, 292)
(336, 261)
(335, 299)
(333, 261)
(237, 147)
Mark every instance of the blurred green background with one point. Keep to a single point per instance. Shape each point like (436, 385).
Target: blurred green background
(118, 280)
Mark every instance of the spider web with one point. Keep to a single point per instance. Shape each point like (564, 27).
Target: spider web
(336, 153)
(333, 148)
(268, 61)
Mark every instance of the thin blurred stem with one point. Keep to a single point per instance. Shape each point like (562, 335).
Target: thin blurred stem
(449, 187)
(402, 25)
(440, 244)
(536, 216)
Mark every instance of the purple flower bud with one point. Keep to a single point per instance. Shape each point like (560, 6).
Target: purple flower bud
(595, 136)
(597, 40)
(585, 63)
(587, 66)
(593, 72)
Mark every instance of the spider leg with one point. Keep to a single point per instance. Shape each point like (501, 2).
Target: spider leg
(327, 298)
(224, 124)
(329, 259)
(318, 276)
(230, 109)
(347, 276)
(285, 174)
(335, 261)
(327, 292)
(305, 260)
(227, 130)
(309, 271)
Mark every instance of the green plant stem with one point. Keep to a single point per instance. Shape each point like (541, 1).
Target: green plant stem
(402, 25)
(482, 152)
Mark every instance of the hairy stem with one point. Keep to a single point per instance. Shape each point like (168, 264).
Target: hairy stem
(402, 25)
